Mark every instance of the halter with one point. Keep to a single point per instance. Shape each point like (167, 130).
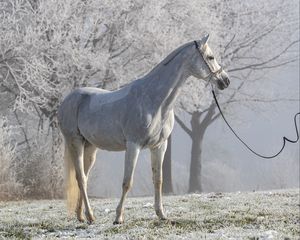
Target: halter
(212, 72)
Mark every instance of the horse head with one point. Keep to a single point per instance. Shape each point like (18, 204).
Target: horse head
(205, 66)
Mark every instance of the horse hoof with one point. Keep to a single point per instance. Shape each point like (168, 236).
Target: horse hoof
(163, 218)
(161, 215)
(79, 215)
(80, 219)
(118, 222)
(90, 219)
(90, 222)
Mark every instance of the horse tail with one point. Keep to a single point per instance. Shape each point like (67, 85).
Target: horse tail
(68, 123)
(71, 185)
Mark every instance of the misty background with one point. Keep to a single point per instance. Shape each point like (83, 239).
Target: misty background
(49, 48)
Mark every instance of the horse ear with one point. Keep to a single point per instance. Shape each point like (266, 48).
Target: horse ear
(205, 39)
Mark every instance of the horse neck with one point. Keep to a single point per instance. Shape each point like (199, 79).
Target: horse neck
(163, 84)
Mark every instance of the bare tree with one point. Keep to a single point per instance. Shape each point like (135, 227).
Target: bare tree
(47, 49)
(248, 30)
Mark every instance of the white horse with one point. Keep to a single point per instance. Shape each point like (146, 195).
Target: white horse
(139, 115)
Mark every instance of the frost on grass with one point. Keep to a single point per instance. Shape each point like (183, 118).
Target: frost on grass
(259, 215)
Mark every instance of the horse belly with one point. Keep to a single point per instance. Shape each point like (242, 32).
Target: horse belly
(108, 144)
(102, 132)
(105, 139)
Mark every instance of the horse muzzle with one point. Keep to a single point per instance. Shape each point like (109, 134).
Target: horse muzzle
(222, 84)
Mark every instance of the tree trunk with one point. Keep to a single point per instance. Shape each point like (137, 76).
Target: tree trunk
(56, 170)
(167, 169)
(197, 134)
(195, 166)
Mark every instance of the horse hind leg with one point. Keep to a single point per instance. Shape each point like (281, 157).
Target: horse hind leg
(76, 150)
(89, 157)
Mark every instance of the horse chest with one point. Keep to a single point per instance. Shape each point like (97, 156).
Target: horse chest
(158, 131)
(157, 137)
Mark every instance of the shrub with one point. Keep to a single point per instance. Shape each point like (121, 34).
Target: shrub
(10, 187)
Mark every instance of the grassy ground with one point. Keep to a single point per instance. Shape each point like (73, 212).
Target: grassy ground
(254, 215)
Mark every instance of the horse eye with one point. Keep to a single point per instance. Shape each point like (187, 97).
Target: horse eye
(211, 57)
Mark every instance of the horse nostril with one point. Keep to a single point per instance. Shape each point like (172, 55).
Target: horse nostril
(227, 81)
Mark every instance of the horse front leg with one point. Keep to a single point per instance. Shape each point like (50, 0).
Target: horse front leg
(131, 155)
(157, 157)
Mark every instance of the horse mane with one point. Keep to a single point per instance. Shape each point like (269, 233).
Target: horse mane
(173, 54)
(170, 57)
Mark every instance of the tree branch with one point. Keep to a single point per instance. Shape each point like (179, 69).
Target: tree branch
(228, 44)
(264, 100)
(248, 42)
(22, 128)
(215, 117)
(255, 66)
(183, 126)
(187, 111)
(277, 65)
(121, 51)
(231, 100)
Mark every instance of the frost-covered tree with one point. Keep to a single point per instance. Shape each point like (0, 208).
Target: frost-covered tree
(46, 49)
(38, 57)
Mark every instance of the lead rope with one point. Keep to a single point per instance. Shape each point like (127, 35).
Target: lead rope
(285, 139)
